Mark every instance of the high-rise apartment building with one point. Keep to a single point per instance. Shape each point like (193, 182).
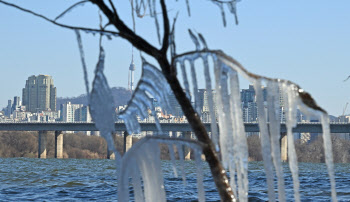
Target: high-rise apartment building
(75, 112)
(8, 108)
(39, 94)
(16, 103)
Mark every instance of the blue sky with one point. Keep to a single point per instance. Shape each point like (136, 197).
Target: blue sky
(307, 42)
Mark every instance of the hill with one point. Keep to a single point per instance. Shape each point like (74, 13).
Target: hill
(120, 95)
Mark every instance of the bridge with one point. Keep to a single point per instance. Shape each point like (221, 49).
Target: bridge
(58, 127)
(313, 127)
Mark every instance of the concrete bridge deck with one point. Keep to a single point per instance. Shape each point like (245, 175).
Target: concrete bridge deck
(44, 127)
(181, 127)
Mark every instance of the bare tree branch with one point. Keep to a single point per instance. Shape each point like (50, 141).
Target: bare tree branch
(59, 24)
(217, 170)
(70, 8)
(166, 28)
(112, 4)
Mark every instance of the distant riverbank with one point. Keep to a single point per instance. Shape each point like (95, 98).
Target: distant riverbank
(80, 146)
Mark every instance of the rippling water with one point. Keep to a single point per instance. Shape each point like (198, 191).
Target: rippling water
(81, 179)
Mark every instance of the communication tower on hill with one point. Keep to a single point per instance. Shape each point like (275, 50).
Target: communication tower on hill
(131, 73)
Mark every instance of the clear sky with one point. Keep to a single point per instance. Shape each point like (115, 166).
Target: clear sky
(307, 42)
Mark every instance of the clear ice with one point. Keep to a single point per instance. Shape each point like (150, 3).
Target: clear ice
(142, 161)
(142, 164)
(152, 83)
(232, 141)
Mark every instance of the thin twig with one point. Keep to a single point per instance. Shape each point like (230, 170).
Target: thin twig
(56, 23)
(71, 7)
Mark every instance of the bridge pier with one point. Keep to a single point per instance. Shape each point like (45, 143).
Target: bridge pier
(58, 144)
(127, 142)
(42, 139)
(284, 147)
(187, 150)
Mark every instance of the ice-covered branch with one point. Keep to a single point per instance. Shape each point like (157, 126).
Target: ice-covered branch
(305, 96)
(232, 140)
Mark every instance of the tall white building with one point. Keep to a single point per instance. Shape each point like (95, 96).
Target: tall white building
(75, 112)
(39, 94)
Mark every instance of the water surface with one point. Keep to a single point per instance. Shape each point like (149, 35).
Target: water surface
(23, 179)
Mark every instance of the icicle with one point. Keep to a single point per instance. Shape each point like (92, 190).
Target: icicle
(327, 143)
(101, 103)
(156, 19)
(232, 170)
(150, 167)
(290, 102)
(195, 40)
(123, 180)
(82, 57)
(201, 38)
(213, 125)
(151, 13)
(273, 114)
(136, 181)
(156, 78)
(200, 187)
(184, 77)
(188, 7)
(220, 4)
(153, 82)
(224, 139)
(240, 141)
(195, 87)
(138, 9)
(141, 108)
(153, 181)
(222, 63)
(182, 164)
(227, 137)
(233, 9)
(144, 158)
(265, 142)
(172, 157)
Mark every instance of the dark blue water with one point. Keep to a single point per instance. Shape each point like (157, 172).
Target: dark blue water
(23, 179)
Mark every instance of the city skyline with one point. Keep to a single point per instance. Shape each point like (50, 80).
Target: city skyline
(306, 43)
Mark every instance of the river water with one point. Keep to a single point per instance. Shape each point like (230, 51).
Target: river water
(24, 179)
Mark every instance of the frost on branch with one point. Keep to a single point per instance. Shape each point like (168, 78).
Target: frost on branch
(232, 140)
(142, 164)
(151, 84)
